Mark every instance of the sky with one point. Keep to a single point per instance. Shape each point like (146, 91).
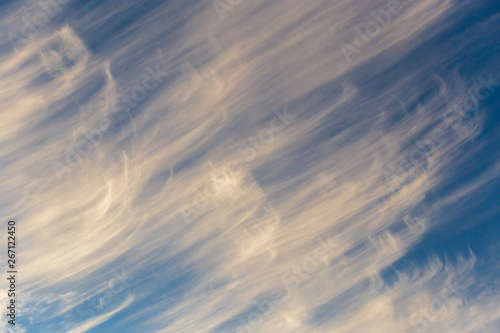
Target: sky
(242, 166)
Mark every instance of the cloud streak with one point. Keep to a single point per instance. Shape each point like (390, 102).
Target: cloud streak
(365, 157)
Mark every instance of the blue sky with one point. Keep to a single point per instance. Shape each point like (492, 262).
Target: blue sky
(252, 166)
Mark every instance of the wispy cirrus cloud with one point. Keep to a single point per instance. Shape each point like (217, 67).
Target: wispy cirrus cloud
(325, 173)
